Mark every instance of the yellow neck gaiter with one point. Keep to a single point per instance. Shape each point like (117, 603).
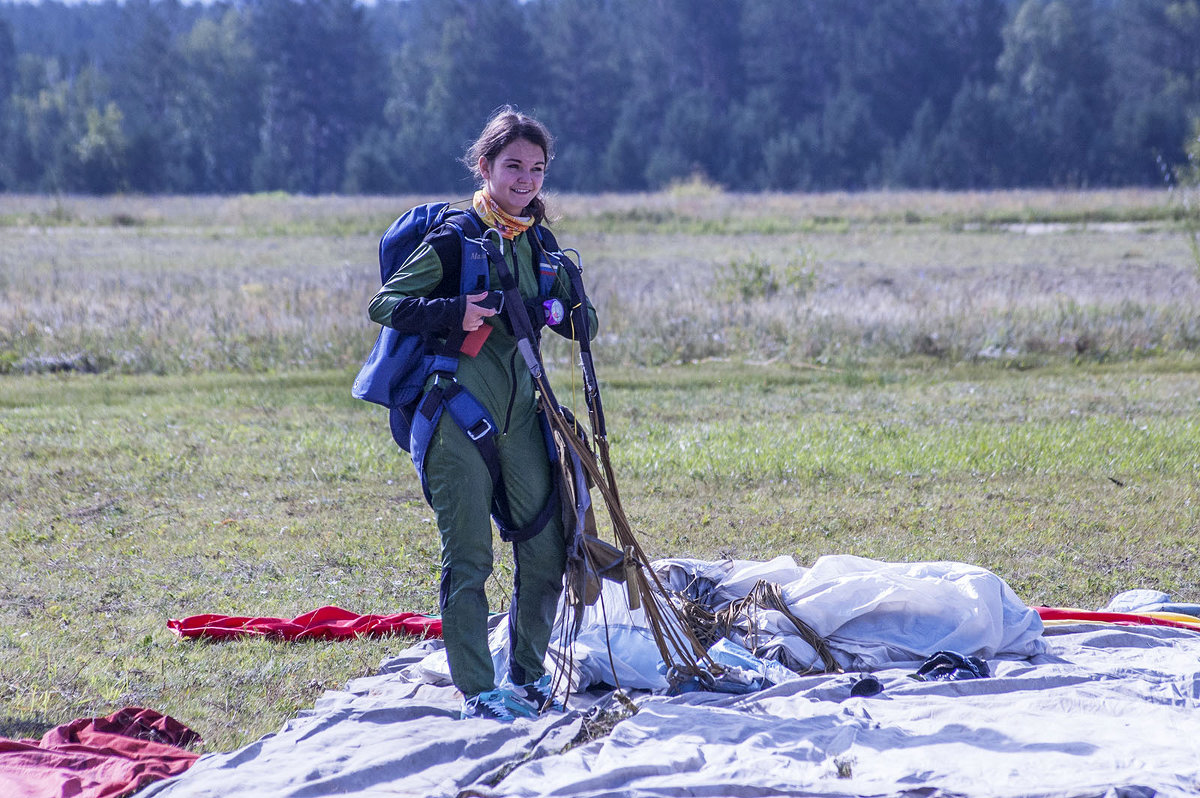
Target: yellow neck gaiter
(509, 226)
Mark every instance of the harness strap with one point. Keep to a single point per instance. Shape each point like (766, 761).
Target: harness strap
(472, 418)
(518, 319)
(477, 424)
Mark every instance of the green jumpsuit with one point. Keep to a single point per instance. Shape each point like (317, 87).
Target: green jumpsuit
(460, 487)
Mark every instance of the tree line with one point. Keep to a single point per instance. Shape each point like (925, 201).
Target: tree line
(327, 96)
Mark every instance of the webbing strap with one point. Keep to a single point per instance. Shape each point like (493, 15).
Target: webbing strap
(476, 423)
(444, 364)
(518, 319)
(470, 416)
(591, 386)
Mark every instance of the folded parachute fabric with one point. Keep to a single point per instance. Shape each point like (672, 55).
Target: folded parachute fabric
(1142, 600)
(732, 669)
(97, 757)
(869, 614)
(1071, 615)
(326, 623)
(1040, 724)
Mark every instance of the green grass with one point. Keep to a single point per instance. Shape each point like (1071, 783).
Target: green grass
(130, 500)
(134, 500)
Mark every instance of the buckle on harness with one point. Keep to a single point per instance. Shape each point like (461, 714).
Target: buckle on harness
(480, 429)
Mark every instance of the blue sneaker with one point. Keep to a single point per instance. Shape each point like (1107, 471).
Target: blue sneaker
(539, 695)
(503, 705)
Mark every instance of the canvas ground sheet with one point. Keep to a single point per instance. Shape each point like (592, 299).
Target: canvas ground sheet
(1092, 710)
(1106, 711)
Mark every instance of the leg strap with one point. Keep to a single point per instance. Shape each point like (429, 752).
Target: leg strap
(477, 424)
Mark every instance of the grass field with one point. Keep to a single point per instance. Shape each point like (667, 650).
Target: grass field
(182, 285)
(1009, 380)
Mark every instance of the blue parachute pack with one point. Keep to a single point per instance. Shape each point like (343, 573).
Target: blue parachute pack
(396, 370)
(400, 365)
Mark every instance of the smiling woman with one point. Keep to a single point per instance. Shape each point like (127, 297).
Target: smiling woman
(498, 466)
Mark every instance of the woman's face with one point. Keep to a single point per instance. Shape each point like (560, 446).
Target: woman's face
(515, 177)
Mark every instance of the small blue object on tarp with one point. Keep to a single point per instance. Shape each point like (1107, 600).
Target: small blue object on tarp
(738, 672)
(950, 666)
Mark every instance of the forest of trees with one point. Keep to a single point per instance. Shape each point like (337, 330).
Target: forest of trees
(327, 96)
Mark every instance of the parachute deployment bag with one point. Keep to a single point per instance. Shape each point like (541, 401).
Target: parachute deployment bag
(399, 364)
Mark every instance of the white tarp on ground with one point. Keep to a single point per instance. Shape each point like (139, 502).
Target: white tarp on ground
(1101, 711)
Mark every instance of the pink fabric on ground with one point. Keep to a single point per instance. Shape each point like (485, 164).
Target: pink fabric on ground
(326, 623)
(105, 757)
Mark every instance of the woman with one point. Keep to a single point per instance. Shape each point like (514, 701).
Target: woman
(509, 161)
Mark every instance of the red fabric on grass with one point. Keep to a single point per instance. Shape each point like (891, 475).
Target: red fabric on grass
(97, 757)
(326, 623)
(1127, 618)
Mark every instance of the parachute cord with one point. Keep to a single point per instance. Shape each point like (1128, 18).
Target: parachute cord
(574, 358)
(673, 640)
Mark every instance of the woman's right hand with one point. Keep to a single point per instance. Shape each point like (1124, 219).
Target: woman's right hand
(475, 314)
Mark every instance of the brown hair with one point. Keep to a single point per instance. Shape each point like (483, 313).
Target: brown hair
(505, 126)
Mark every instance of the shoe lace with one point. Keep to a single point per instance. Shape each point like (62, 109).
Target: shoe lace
(539, 693)
(493, 702)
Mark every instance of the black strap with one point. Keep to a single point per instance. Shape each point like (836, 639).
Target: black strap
(445, 396)
(579, 297)
(518, 318)
(446, 240)
(465, 224)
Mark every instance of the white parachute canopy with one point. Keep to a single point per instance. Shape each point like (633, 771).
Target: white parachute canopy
(871, 614)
